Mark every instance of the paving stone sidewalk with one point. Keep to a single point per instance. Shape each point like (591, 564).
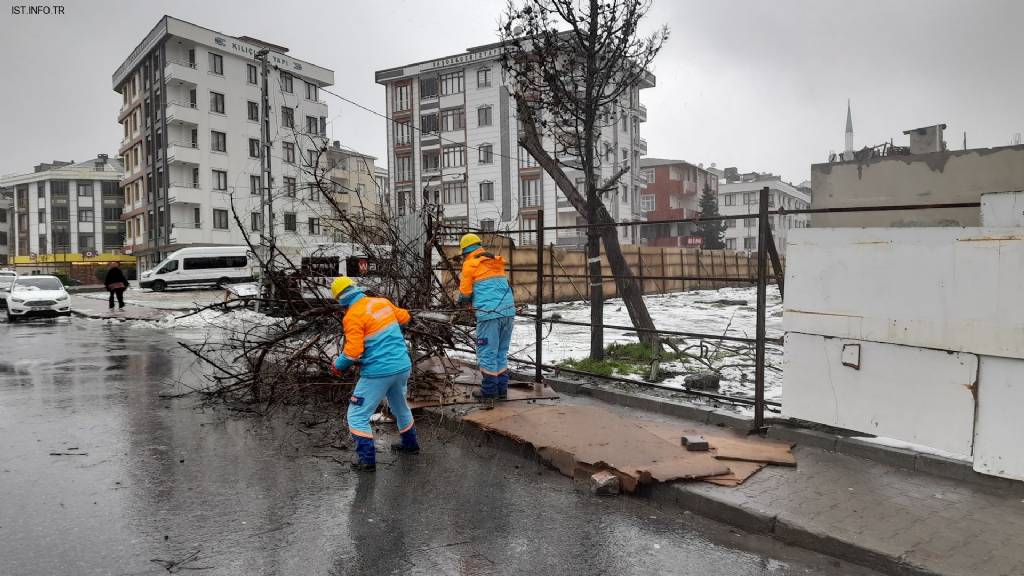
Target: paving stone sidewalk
(893, 520)
(99, 309)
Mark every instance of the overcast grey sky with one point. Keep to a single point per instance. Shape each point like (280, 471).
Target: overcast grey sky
(761, 85)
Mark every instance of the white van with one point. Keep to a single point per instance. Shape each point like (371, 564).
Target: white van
(213, 266)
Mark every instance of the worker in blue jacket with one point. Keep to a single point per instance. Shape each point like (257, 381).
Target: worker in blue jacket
(373, 339)
(484, 283)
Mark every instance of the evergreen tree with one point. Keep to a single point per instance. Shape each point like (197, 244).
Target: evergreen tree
(712, 232)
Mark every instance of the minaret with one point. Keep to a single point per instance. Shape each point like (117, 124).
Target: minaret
(848, 151)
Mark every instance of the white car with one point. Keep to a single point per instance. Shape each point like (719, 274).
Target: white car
(6, 281)
(37, 296)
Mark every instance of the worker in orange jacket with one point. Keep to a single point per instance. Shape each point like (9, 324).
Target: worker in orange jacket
(484, 283)
(373, 339)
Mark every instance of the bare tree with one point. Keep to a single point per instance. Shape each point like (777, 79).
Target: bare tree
(568, 85)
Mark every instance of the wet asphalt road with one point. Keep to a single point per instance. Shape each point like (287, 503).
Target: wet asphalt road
(153, 481)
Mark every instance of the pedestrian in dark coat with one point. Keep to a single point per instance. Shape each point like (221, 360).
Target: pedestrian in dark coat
(116, 282)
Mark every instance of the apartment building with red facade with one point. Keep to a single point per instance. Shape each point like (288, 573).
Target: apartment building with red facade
(673, 191)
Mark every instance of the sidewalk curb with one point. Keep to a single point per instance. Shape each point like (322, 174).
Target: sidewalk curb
(713, 502)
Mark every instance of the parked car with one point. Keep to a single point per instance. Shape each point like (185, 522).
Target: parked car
(214, 266)
(37, 296)
(6, 281)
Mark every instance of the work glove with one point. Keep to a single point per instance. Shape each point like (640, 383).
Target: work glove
(335, 372)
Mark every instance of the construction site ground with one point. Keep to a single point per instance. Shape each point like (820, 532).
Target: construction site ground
(890, 519)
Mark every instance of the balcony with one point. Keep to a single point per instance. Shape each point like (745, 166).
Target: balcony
(188, 233)
(641, 113)
(181, 72)
(186, 193)
(182, 113)
(641, 145)
(184, 152)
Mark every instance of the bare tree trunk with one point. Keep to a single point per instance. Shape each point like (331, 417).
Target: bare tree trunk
(625, 281)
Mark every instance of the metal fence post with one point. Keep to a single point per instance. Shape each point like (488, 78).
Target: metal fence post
(538, 377)
(762, 304)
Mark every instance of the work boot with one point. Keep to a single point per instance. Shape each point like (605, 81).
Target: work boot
(503, 385)
(488, 388)
(366, 455)
(409, 443)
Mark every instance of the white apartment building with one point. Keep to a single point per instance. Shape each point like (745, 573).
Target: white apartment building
(191, 119)
(743, 197)
(453, 142)
(66, 208)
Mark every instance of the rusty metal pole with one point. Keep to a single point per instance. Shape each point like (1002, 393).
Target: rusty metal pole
(538, 377)
(762, 304)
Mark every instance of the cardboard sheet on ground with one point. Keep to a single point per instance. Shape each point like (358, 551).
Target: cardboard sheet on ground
(728, 446)
(570, 436)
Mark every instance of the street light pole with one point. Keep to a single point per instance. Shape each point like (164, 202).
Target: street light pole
(266, 197)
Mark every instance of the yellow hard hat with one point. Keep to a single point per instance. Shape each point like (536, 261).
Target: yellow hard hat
(339, 285)
(469, 240)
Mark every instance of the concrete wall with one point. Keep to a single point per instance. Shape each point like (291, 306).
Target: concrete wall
(939, 177)
(935, 315)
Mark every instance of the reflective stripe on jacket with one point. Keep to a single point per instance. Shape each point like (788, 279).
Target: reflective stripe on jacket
(374, 338)
(483, 281)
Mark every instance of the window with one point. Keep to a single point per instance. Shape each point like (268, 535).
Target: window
(214, 262)
(750, 222)
(428, 88)
(486, 154)
(487, 191)
(483, 78)
(647, 202)
(255, 185)
(431, 161)
(85, 215)
(216, 102)
(41, 190)
(529, 192)
(112, 214)
(60, 214)
(453, 119)
(428, 123)
(314, 192)
(250, 73)
(454, 156)
(42, 216)
(254, 112)
(403, 168)
(220, 219)
(312, 125)
(290, 187)
(749, 198)
(403, 98)
(312, 92)
(86, 242)
(256, 221)
(487, 225)
(451, 83)
(403, 133)
(728, 200)
(311, 157)
(286, 82)
(287, 117)
(289, 151)
(216, 64)
(749, 243)
(289, 222)
(85, 189)
(483, 116)
(314, 225)
(254, 148)
(220, 180)
(625, 120)
(218, 141)
(454, 192)
(730, 243)
(730, 223)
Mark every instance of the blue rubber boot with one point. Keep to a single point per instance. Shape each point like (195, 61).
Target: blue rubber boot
(488, 388)
(366, 455)
(503, 385)
(409, 443)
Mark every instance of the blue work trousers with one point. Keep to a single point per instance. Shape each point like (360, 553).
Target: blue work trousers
(492, 341)
(367, 396)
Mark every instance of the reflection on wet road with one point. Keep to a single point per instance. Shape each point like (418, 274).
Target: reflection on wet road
(99, 474)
